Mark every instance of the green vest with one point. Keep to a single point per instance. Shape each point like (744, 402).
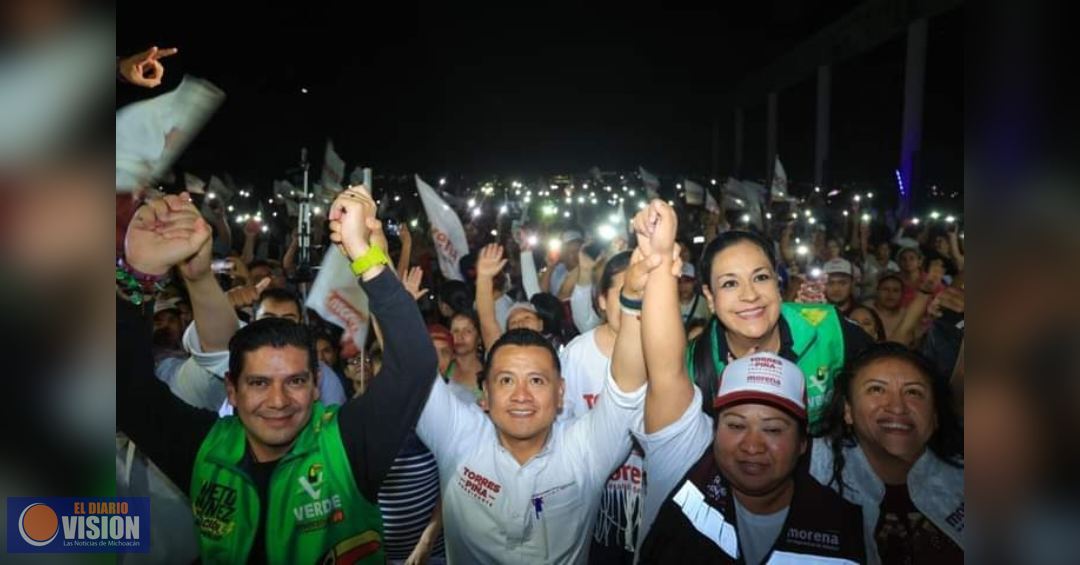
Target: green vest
(315, 515)
(818, 344)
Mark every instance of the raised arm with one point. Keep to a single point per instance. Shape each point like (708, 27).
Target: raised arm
(168, 430)
(628, 357)
(670, 389)
(406, 251)
(374, 425)
(212, 311)
(528, 273)
(488, 265)
(581, 307)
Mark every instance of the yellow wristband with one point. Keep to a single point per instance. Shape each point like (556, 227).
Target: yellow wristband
(373, 257)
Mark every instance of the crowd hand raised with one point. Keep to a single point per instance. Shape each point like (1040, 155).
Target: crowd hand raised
(184, 213)
(404, 235)
(252, 228)
(950, 299)
(244, 296)
(412, 283)
(145, 69)
(164, 233)
(490, 262)
(352, 221)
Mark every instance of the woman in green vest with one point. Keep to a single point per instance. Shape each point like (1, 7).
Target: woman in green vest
(740, 283)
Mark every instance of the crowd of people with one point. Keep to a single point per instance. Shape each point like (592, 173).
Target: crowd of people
(747, 397)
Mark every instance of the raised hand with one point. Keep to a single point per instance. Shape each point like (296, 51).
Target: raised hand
(490, 262)
(244, 296)
(145, 69)
(159, 238)
(252, 228)
(412, 283)
(184, 213)
(352, 219)
(404, 234)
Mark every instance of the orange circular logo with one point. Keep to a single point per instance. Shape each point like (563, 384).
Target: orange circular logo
(38, 524)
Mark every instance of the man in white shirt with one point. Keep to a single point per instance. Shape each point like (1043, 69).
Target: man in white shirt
(517, 486)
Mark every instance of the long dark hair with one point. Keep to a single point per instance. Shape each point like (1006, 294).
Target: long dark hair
(550, 309)
(700, 350)
(879, 326)
(947, 442)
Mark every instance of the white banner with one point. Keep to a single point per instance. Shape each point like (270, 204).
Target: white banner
(446, 230)
(338, 298)
(151, 134)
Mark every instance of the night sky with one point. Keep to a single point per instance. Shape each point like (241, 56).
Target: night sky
(445, 89)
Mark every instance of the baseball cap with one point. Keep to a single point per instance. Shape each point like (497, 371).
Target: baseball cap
(571, 235)
(766, 378)
(521, 306)
(838, 266)
(688, 271)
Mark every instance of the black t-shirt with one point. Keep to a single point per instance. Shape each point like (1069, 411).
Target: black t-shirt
(905, 536)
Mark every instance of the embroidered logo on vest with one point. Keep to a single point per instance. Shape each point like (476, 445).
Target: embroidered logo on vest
(214, 509)
(956, 519)
(813, 316)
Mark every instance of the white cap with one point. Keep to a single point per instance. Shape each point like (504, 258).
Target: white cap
(571, 235)
(689, 271)
(838, 266)
(521, 306)
(163, 304)
(766, 378)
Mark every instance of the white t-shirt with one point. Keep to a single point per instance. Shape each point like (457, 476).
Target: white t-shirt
(584, 368)
(498, 511)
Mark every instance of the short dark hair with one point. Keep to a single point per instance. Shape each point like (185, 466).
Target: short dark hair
(272, 332)
(522, 337)
(728, 239)
(889, 275)
(278, 295)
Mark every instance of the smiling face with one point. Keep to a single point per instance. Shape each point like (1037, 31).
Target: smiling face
(743, 292)
(272, 397)
(891, 408)
(523, 393)
(757, 447)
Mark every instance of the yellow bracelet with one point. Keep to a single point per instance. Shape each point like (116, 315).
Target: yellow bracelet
(372, 258)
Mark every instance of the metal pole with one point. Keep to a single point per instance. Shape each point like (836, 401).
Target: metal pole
(911, 138)
(821, 142)
(303, 269)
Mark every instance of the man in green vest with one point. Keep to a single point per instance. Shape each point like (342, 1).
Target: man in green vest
(286, 480)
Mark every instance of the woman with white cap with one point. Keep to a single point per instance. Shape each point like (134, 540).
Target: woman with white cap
(734, 492)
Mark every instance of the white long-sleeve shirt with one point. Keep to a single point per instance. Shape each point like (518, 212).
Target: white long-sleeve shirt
(498, 511)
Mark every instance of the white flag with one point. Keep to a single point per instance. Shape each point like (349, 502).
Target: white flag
(779, 182)
(151, 134)
(219, 190)
(286, 192)
(711, 205)
(446, 230)
(695, 193)
(194, 184)
(338, 298)
(651, 183)
(333, 171)
(357, 176)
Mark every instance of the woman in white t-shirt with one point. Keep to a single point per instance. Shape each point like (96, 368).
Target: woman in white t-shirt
(585, 367)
